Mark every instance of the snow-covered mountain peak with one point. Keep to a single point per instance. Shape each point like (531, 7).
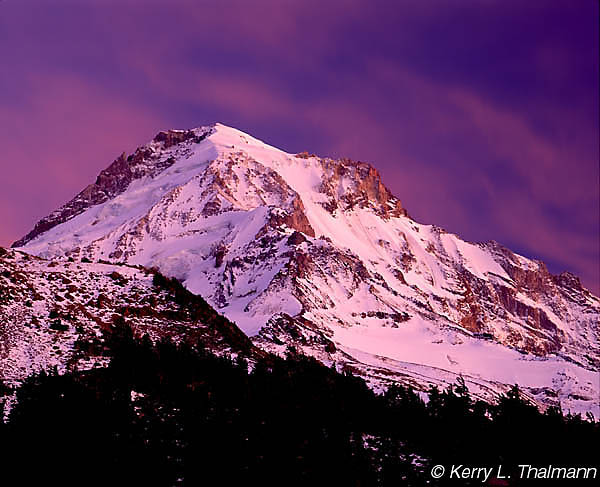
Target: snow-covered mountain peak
(317, 253)
(330, 183)
(174, 157)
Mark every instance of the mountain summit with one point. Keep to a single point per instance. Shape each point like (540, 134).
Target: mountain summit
(317, 253)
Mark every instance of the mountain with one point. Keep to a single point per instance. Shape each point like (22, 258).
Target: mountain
(318, 254)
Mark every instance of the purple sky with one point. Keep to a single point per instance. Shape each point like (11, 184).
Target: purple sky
(482, 116)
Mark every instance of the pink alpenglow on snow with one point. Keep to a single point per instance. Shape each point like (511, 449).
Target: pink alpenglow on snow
(317, 253)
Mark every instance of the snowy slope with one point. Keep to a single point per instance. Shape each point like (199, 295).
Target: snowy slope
(56, 314)
(317, 253)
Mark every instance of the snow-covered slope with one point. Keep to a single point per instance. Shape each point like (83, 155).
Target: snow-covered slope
(317, 253)
(57, 314)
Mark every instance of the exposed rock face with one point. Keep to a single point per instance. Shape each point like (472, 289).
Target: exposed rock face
(296, 238)
(294, 219)
(316, 253)
(365, 188)
(174, 137)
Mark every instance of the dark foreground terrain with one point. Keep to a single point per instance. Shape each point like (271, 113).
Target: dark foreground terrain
(162, 414)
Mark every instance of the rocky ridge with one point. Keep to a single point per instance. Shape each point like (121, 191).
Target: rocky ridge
(58, 314)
